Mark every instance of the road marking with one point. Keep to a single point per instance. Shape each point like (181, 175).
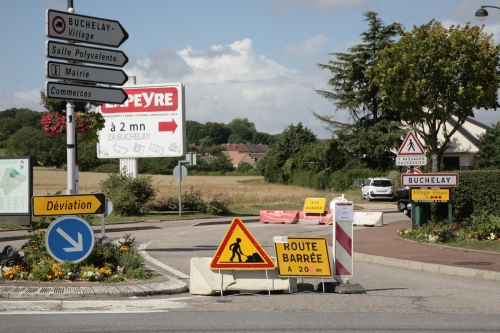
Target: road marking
(142, 251)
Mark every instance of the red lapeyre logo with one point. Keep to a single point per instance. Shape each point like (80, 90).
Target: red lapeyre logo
(146, 100)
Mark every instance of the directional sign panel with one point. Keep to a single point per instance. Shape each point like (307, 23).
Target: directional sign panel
(430, 194)
(53, 205)
(78, 92)
(85, 29)
(303, 257)
(61, 70)
(151, 123)
(69, 239)
(76, 52)
(429, 180)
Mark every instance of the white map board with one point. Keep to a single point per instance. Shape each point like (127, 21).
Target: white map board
(15, 185)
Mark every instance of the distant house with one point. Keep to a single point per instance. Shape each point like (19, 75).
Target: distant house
(250, 153)
(463, 145)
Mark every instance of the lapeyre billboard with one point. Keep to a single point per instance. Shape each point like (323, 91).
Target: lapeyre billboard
(151, 123)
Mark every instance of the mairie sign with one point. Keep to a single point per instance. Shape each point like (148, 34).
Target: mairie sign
(54, 205)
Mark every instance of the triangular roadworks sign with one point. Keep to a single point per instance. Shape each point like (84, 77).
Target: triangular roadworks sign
(240, 250)
(411, 146)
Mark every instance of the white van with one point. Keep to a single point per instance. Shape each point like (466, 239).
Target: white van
(377, 188)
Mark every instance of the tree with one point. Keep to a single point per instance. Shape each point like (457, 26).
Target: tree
(353, 90)
(259, 137)
(235, 138)
(488, 155)
(221, 163)
(372, 130)
(31, 141)
(433, 73)
(217, 132)
(289, 144)
(193, 132)
(243, 127)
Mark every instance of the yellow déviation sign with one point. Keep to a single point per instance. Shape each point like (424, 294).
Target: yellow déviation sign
(302, 257)
(314, 205)
(53, 205)
(430, 195)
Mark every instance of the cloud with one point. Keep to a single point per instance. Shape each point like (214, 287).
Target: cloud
(224, 82)
(307, 47)
(322, 6)
(24, 99)
(162, 65)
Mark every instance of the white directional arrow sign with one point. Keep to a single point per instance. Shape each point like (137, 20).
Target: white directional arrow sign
(85, 29)
(94, 55)
(78, 92)
(70, 230)
(61, 70)
(77, 246)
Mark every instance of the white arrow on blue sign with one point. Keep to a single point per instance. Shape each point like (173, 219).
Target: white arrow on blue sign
(69, 238)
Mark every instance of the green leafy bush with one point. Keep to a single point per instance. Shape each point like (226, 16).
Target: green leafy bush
(342, 180)
(128, 195)
(192, 200)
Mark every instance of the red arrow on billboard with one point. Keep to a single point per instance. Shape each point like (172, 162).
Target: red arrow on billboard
(165, 126)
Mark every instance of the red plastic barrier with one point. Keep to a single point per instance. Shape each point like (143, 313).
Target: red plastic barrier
(279, 216)
(324, 218)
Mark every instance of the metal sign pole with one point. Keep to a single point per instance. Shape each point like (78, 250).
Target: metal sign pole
(70, 145)
(180, 189)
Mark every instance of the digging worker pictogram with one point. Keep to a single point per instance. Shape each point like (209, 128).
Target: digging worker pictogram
(235, 247)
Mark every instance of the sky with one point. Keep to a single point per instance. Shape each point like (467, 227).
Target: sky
(254, 59)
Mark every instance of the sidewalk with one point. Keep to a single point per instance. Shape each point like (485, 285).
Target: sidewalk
(377, 245)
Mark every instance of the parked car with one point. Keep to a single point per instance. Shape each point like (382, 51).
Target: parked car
(377, 188)
(404, 203)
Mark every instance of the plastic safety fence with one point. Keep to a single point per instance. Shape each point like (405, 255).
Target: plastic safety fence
(279, 216)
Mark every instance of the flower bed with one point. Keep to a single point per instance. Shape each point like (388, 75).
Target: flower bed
(108, 262)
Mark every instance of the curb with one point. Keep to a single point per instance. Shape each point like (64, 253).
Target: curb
(426, 267)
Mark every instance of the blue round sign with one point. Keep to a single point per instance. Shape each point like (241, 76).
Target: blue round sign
(69, 238)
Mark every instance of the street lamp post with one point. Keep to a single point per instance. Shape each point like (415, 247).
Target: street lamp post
(482, 13)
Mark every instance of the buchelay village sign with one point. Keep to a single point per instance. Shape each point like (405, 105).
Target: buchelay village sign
(430, 180)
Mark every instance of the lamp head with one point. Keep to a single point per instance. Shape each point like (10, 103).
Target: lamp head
(481, 14)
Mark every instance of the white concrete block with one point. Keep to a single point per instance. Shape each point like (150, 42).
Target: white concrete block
(374, 219)
(308, 222)
(204, 281)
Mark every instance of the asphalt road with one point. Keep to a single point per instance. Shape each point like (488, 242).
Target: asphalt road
(396, 300)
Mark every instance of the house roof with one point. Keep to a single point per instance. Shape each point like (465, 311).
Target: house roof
(235, 147)
(245, 148)
(466, 138)
(237, 158)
